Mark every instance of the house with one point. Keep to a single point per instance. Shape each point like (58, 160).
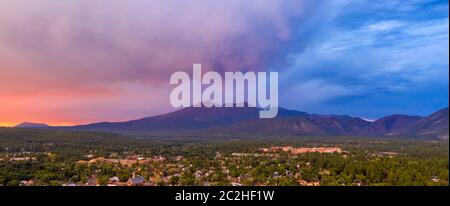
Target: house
(218, 155)
(435, 179)
(284, 149)
(198, 174)
(26, 183)
(114, 180)
(97, 160)
(357, 182)
(92, 182)
(89, 156)
(264, 149)
(69, 184)
(128, 162)
(136, 181)
(159, 159)
(20, 159)
(306, 183)
(236, 184)
(178, 158)
(81, 162)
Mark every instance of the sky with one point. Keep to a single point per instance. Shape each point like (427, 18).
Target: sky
(82, 61)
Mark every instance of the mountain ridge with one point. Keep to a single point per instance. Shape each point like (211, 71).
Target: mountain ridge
(245, 120)
(31, 125)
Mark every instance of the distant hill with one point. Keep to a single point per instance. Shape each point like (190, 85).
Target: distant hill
(436, 124)
(299, 125)
(246, 121)
(31, 125)
(392, 124)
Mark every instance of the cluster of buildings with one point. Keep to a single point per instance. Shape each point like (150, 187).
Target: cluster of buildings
(173, 167)
(302, 150)
(135, 180)
(306, 183)
(131, 160)
(128, 161)
(21, 156)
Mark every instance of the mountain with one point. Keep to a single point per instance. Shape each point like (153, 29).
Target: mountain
(186, 119)
(31, 125)
(437, 124)
(245, 121)
(300, 125)
(393, 124)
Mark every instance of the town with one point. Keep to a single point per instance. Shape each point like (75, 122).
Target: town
(159, 170)
(103, 159)
(277, 165)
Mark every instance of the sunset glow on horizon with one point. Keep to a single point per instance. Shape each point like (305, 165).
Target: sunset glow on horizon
(7, 124)
(13, 124)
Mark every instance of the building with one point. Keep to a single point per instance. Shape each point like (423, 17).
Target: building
(236, 184)
(92, 182)
(303, 150)
(69, 184)
(316, 149)
(136, 181)
(306, 183)
(114, 180)
(26, 183)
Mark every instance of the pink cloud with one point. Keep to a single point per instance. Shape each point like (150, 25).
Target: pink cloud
(82, 54)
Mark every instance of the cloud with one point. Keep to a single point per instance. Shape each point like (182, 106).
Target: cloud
(78, 51)
(393, 57)
(144, 41)
(94, 60)
(316, 91)
(384, 26)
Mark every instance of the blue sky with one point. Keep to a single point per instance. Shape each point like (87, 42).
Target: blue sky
(371, 58)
